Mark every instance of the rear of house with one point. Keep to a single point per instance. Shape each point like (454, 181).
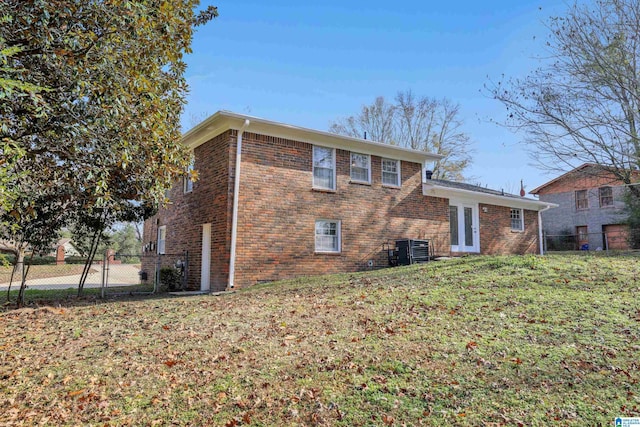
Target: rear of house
(309, 202)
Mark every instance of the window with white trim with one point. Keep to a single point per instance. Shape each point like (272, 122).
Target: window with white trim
(324, 168)
(187, 182)
(162, 239)
(327, 236)
(391, 172)
(517, 220)
(360, 168)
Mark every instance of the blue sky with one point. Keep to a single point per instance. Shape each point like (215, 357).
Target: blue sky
(309, 63)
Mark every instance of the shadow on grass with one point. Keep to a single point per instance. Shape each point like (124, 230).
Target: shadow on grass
(91, 296)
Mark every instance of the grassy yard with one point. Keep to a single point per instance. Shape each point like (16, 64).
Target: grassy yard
(480, 341)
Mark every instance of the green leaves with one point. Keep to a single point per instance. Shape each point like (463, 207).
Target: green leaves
(91, 99)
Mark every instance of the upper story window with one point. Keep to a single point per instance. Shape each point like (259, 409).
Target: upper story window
(391, 172)
(327, 236)
(324, 168)
(162, 239)
(606, 196)
(517, 220)
(187, 181)
(361, 168)
(582, 201)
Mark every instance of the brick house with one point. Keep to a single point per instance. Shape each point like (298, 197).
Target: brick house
(591, 206)
(309, 202)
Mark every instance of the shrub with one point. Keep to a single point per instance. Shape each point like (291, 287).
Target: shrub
(75, 260)
(39, 260)
(170, 279)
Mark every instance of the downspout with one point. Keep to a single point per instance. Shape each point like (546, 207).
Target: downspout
(236, 193)
(540, 236)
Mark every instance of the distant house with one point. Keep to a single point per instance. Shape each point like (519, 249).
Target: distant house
(68, 246)
(591, 206)
(277, 201)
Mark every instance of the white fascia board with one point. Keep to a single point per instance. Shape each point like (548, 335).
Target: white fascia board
(224, 120)
(478, 197)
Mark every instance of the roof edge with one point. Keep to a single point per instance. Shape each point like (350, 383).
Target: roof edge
(431, 189)
(222, 121)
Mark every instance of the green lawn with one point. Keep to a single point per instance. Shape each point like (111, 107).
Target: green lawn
(480, 341)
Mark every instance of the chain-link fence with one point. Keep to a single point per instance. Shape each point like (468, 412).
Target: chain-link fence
(613, 241)
(146, 273)
(108, 275)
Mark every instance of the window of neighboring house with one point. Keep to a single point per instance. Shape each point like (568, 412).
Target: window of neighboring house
(517, 220)
(606, 196)
(327, 236)
(324, 168)
(188, 183)
(162, 239)
(391, 172)
(361, 168)
(582, 201)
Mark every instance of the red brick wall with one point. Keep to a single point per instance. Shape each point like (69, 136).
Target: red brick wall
(496, 236)
(278, 209)
(581, 179)
(209, 202)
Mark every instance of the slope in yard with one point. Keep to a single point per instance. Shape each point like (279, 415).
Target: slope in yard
(477, 341)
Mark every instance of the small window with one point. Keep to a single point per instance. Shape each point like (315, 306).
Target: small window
(327, 236)
(517, 223)
(361, 168)
(324, 168)
(582, 201)
(391, 172)
(188, 183)
(606, 196)
(162, 238)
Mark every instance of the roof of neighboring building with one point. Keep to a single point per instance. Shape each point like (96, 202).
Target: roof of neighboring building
(598, 171)
(224, 120)
(475, 193)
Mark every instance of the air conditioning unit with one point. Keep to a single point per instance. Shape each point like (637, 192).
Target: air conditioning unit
(411, 251)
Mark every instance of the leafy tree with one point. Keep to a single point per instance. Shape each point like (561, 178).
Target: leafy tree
(420, 123)
(91, 98)
(582, 105)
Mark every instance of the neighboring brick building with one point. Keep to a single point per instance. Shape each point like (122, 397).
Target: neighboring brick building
(312, 202)
(591, 206)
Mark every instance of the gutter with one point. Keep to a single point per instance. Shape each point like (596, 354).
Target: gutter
(236, 193)
(540, 236)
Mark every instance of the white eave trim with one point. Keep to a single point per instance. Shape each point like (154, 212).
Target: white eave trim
(225, 120)
(434, 190)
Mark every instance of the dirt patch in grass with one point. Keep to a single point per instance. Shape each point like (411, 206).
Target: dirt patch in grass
(486, 341)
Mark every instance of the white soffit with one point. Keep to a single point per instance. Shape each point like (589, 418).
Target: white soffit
(480, 197)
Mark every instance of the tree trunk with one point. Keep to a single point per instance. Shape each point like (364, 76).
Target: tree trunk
(19, 267)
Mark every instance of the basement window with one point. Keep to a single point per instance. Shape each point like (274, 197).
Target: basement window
(327, 236)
